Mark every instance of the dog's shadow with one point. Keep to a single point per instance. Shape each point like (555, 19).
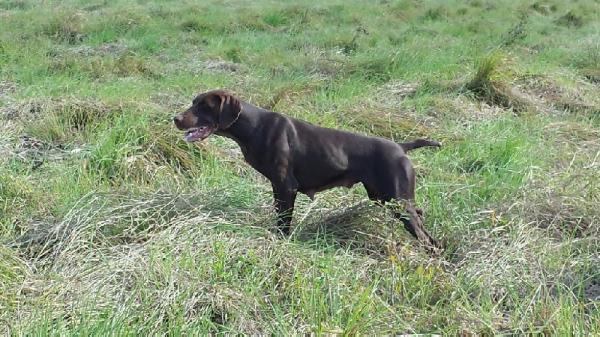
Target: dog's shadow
(364, 228)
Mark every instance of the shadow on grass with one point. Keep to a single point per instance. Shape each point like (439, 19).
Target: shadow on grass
(364, 228)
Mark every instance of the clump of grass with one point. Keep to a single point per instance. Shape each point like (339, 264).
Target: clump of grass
(485, 68)
(434, 14)
(234, 54)
(62, 120)
(17, 197)
(516, 33)
(21, 200)
(387, 123)
(249, 21)
(487, 85)
(122, 20)
(275, 19)
(592, 75)
(13, 271)
(139, 151)
(462, 11)
(380, 68)
(66, 27)
(543, 8)
(196, 25)
(571, 19)
(130, 64)
(587, 59)
(15, 4)
(352, 45)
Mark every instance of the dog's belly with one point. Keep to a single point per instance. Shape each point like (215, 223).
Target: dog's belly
(338, 182)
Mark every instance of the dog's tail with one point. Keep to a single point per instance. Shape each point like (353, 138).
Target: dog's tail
(419, 143)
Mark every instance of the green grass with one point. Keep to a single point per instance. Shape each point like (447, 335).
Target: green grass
(111, 224)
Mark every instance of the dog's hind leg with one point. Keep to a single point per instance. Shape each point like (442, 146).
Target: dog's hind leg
(400, 186)
(413, 222)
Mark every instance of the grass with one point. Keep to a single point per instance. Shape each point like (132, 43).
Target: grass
(111, 224)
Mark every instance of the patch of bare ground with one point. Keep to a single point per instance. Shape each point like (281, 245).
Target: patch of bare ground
(464, 108)
(109, 48)
(552, 98)
(6, 88)
(36, 152)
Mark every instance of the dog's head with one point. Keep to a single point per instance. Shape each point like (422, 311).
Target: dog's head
(210, 111)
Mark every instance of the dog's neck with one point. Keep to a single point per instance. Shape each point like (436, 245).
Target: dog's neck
(245, 126)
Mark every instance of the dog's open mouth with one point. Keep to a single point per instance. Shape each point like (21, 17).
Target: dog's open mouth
(194, 134)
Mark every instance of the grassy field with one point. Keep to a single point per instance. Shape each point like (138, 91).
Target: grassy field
(111, 223)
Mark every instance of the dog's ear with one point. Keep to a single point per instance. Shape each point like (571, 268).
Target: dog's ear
(229, 110)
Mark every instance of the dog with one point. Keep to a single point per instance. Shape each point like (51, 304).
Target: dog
(296, 156)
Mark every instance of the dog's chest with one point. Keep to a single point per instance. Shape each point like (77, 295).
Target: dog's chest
(254, 159)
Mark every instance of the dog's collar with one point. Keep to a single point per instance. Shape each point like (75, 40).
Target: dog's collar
(235, 120)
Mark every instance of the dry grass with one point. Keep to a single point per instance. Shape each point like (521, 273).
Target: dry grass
(189, 258)
(64, 119)
(554, 98)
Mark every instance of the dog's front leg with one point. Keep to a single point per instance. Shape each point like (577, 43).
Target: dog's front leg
(284, 196)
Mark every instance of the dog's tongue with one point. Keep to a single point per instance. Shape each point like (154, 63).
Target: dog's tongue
(200, 133)
(192, 136)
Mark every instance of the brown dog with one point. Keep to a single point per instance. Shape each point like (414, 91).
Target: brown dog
(297, 156)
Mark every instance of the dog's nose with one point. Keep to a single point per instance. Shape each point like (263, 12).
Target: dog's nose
(177, 119)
